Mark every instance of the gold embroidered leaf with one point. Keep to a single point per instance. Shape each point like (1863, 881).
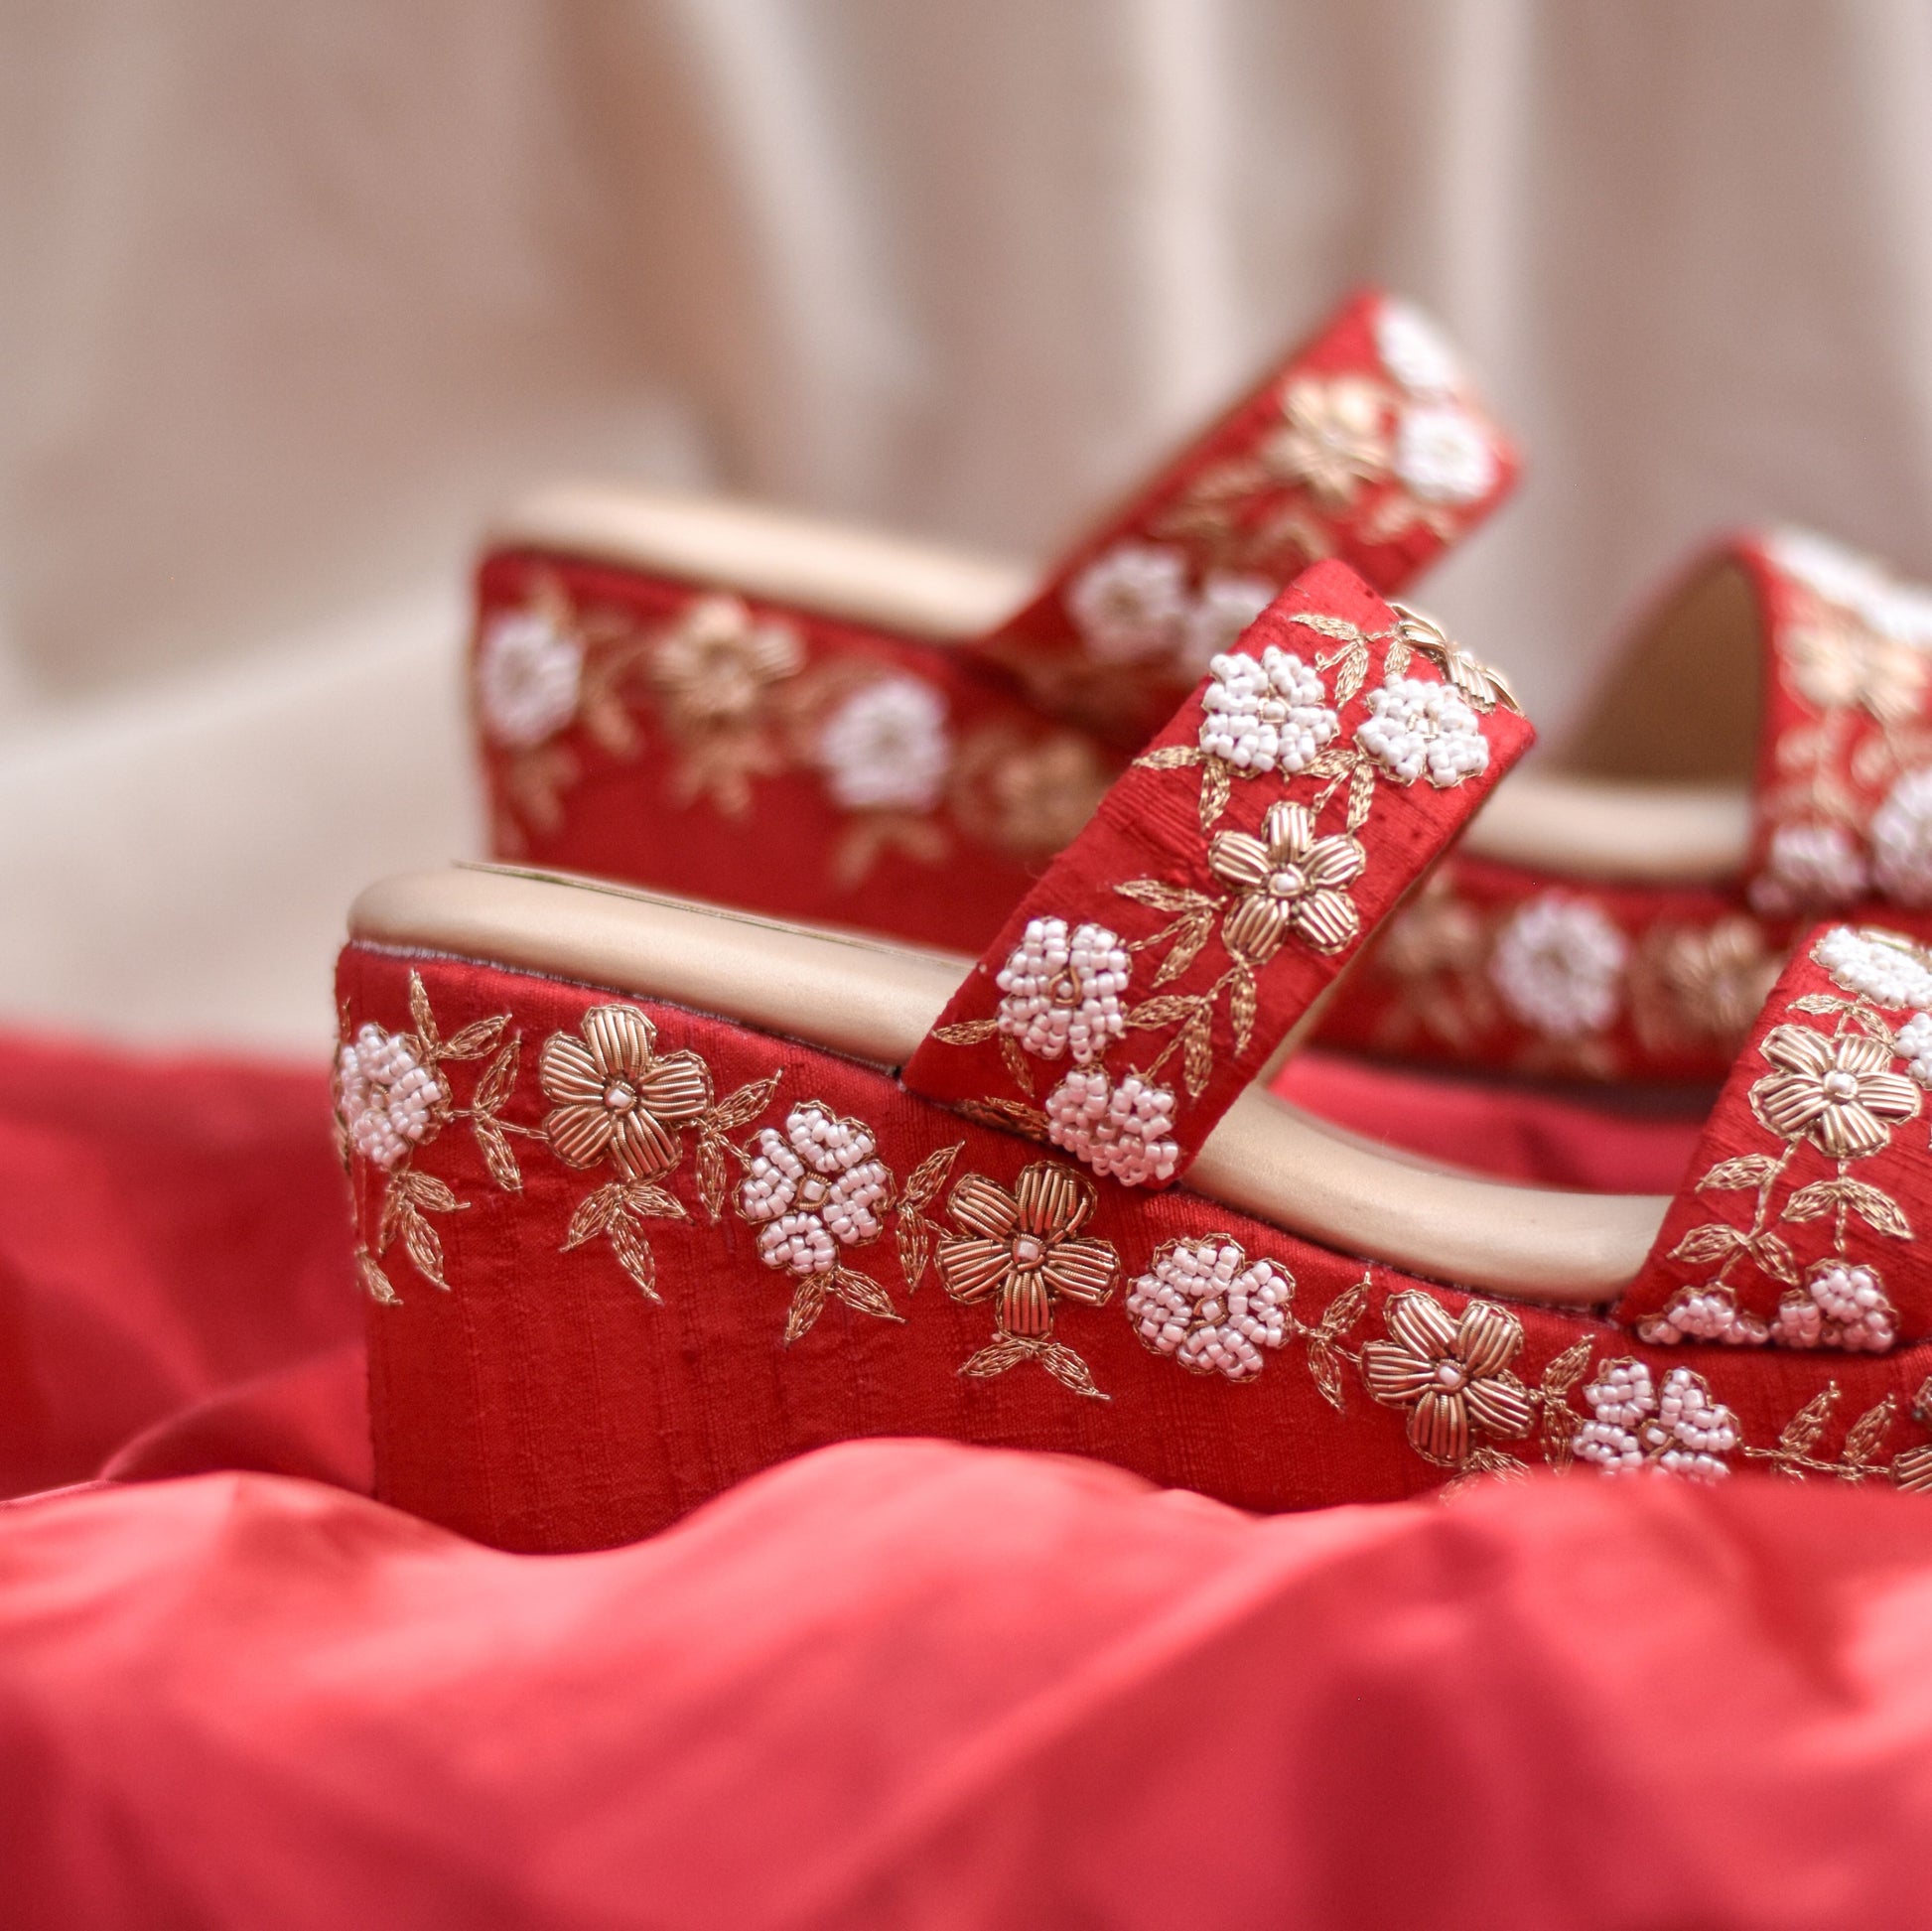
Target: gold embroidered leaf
(1344, 1310)
(1013, 1113)
(1863, 1438)
(1812, 1202)
(499, 1077)
(1018, 1069)
(423, 1244)
(1773, 1254)
(1361, 795)
(1244, 1004)
(922, 1185)
(1353, 669)
(1819, 1003)
(1163, 896)
(596, 1213)
(1565, 1371)
(375, 1281)
(498, 1157)
(1168, 1010)
(394, 1200)
(477, 1039)
(968, 1032)
(713, 1170)
(1876, 1208)
(1069, 1369)
(1197, 1052)
(1324, 1366)
(1747, 1170)
(634, 1257)
(996, 1357)
(647, 1198)
(1193, 933)
(1332, 763)
(426, 1190)
(741, 1108)
(1394, 660)
(913, 1234)
(1485, 1459)
(1805, 1427)
(420, 1014)
(1707, 1243)
(808, 1303)
(863, 1294)
(1216, 788)
(1338, 628)
(1238, 475)
(1168, 758)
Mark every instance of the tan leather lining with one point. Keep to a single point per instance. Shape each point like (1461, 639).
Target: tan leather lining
(921, 589)
(876, 1002)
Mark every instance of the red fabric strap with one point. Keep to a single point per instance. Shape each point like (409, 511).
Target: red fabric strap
(1227, 879)
(1798, 1220)
(1365, 444)
(1844, 800)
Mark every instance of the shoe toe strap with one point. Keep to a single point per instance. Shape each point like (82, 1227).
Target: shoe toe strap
(1799, 1218)
(1229, 877)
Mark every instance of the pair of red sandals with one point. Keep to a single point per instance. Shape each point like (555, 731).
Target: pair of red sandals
(651, 1193)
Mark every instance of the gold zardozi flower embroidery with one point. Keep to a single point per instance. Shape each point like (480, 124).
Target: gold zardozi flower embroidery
(1287, 881)
(1452, 1376)
(1025, 1253)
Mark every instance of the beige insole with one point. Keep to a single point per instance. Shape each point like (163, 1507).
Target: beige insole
(876, 1002)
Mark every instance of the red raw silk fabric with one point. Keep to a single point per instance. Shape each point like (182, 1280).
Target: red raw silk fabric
(739, 808)
(1803, 1202)
(538, 1400)
(910, 1684)
(168, 1227)
(1145, 872)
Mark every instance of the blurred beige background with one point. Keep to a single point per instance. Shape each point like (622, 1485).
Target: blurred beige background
(290, 298)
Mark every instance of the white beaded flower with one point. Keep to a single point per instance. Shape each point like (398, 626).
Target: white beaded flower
(1709, 1313)
(1881, 965)
(1678, 1429)
(1415, 351)
(1210, 1308)
(1445, 455)
(1125, 1129)
(1417, 727)
(1131, 602)
(1226, 606)
(886, 748)
(1841, 1305)
(389, 1097)
(1807, 867)
(1063, 991)
(1559, 965)
(1915, 1047)
(1902, 840)
(527, 678)
(1266, 714)
(813, 1188)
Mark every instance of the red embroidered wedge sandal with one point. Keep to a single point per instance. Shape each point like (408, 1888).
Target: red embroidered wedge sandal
(650, 1195)
(710, 699)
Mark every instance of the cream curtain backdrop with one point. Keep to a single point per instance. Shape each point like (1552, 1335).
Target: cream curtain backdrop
(294, 296)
